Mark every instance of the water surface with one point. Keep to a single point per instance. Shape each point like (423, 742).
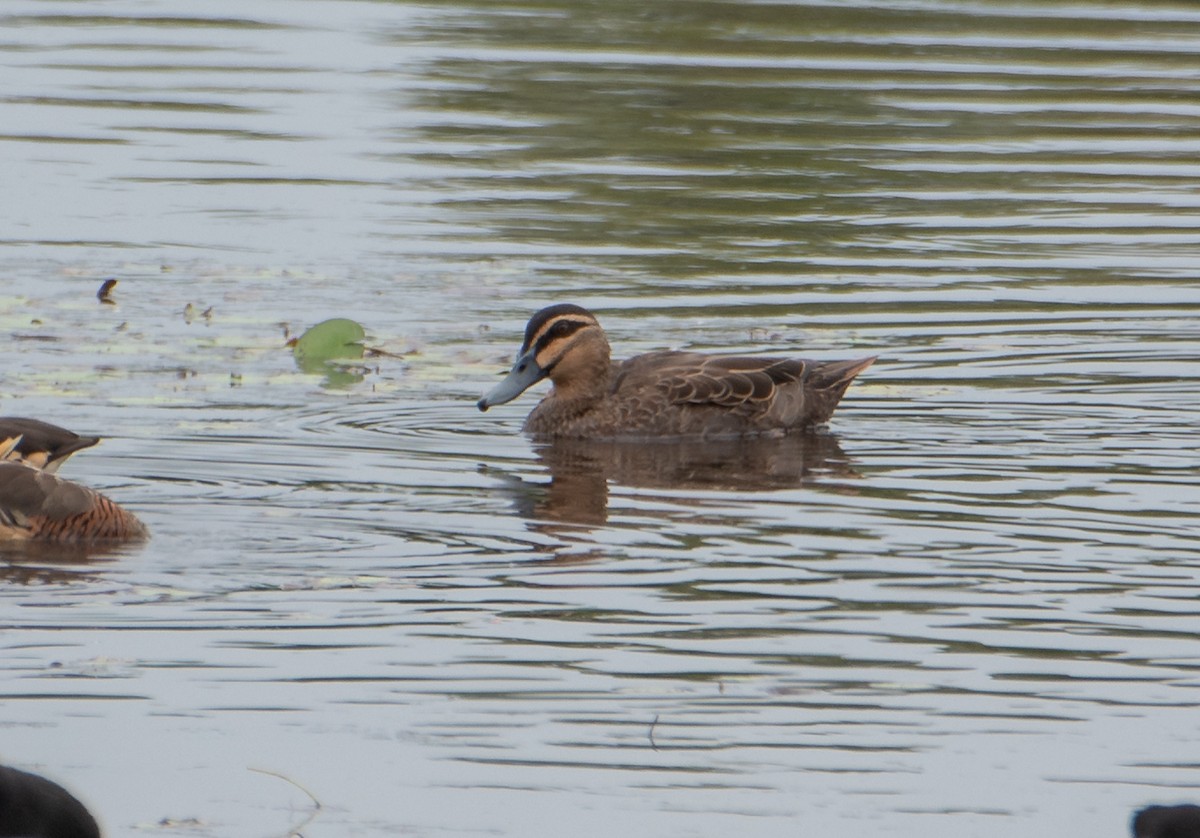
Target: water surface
(967, 609)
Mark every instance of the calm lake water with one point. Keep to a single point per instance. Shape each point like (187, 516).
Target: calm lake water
(970, 609)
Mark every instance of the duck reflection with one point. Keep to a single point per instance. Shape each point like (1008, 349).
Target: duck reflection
(41, 562)
(581, 470)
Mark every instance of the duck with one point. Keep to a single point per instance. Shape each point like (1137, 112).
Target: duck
(1181, 821)
(666, 394)
(36, 504)
(34, 807)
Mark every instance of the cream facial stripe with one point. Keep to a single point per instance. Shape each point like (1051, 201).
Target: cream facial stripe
(557, 328)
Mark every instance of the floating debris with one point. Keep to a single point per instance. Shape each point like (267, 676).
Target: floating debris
(104, 295)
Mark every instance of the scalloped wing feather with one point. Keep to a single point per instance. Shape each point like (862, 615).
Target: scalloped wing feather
(766, 392)
(730, 381)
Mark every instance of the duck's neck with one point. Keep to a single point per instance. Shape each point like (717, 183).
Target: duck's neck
(582, 387)
(581, 380)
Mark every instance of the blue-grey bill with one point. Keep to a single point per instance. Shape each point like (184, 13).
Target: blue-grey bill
(524, 374)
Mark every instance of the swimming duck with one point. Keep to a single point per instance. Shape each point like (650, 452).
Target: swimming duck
(37, 504)
(662, 394)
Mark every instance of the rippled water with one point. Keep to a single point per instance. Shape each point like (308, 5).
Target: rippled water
(969, 609)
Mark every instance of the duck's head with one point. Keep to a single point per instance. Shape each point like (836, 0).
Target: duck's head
(563, 343)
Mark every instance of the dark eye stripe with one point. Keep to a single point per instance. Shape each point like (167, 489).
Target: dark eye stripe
(557, 329)
(542, 319)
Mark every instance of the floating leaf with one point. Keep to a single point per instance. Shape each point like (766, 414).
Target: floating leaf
(330, 340)
(324, 349)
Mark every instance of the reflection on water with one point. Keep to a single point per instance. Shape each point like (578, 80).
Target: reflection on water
(335, 374)
(972, 611)
(48, 561)
(43, 564)
(580, 470)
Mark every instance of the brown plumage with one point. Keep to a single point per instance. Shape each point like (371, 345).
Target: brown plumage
(38, 443)
(663, 394)
(36, 504)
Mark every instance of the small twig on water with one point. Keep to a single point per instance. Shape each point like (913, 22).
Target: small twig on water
(295, 830)
(653, 725)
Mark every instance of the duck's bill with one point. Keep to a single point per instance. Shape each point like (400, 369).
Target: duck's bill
(524, 374)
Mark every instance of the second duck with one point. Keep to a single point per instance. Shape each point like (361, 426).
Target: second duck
(38, 505)
(666, 394)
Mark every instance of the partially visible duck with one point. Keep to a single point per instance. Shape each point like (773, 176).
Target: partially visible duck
(34, 807)
(39, 443)
(36, 504)
(663, 394)
(1167, 822)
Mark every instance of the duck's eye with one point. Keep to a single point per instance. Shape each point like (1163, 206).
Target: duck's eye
(561, 328)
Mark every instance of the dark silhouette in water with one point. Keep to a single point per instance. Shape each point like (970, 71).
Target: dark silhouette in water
(33, 807)
(1167, 822)
(582, 471)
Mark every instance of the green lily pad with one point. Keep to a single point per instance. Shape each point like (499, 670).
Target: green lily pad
(330, 340)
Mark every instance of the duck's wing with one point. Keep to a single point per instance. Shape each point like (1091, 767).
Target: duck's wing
(27, 493)
(773, 391)
(729, 380)
(744, 393)
(41, 505)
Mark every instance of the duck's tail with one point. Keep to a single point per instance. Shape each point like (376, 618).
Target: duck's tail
(827, 382)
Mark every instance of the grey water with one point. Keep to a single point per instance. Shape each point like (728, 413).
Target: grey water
(968, 609)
